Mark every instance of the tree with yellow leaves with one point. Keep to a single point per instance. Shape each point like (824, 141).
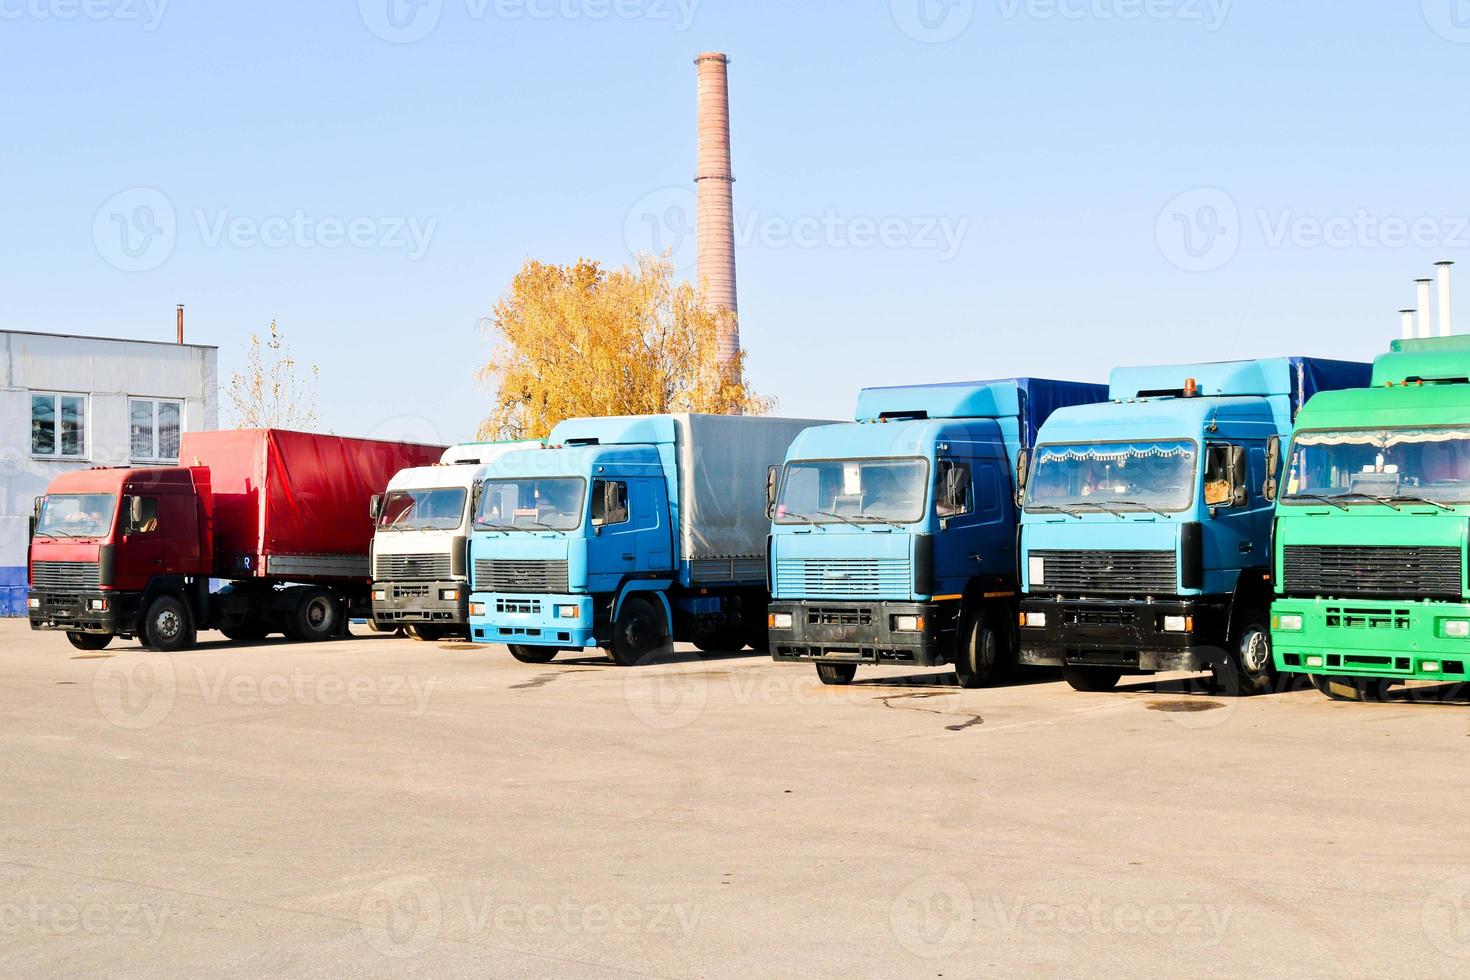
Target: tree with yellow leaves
(268, 393)
(578, 340)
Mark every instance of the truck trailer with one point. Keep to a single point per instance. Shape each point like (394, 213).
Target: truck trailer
(1146, 531)
(421, 545)
(628, 534)
(893, 540)
(1371, 530)
(281, 517)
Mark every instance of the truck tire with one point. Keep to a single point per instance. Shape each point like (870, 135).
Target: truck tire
(249, 630)
(730, 640)
(639, 634)
(1092, 679)
(90, 641)
(168, 626)
(837, 675)
(426, 632)
(1249, 669)
(758, 637)
(1359, 689)
(980, 654)
(316, 616)
(533, 655)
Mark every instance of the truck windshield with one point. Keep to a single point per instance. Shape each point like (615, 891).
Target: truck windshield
(834, 491)
(423, 510)
(1113, 476)
(80, 515)
(1358, 465)
(532, 505)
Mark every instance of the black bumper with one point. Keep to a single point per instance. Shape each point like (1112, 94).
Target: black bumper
(73, 612)
(1126, 634)
(862, 633)
(419, 604)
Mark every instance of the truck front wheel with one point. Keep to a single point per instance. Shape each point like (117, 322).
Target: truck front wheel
(639, 634)
(1092, 679)
(167, 625)
(533, 655)
(1249, 669)
(978, 661)
(837, 675)
(90, 641)
(316, 616)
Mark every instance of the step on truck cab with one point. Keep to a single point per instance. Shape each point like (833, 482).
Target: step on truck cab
(627, 534)
(1146, 529)
(893, 537)
(1371, 528)
(281, 517)
(421, 545)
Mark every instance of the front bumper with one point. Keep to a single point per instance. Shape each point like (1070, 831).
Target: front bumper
(420, 603)
(74, 612)
(531, 620)
(863, 633)
(1125, 634)
(1372, 638)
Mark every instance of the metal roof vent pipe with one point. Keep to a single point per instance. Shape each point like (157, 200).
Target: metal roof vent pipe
(181, 323)
(1426, 303)
(1446, 312)
(1408, 323)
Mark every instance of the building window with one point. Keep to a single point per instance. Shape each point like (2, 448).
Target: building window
(58, 426)
(154, 424)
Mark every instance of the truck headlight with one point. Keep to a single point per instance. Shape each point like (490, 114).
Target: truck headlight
(1178, 624)
(1037, 567)
(97, 605)
(32, 602)
(477, 609)
(1035, 620)
(448, 595)
(1457, 629)
(379, 595)
(779, 621)
(1289, 622)
(569, 612)
(908, 624)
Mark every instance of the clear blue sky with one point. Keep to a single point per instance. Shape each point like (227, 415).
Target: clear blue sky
(1051, 138)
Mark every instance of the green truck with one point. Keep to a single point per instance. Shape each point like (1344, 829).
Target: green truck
(1371, 528)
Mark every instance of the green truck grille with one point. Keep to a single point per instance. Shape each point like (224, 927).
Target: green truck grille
(1377, 571)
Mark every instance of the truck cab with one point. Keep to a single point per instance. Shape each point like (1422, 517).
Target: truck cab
(893, 538)
(421, 542)
(627, 534)
(1146, 528)
(1371, 530)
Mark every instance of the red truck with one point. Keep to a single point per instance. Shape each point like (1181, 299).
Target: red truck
(284, 518)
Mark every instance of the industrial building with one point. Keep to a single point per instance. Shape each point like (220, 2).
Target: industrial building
(71, 402)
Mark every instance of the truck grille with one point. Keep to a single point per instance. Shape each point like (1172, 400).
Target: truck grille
(66, 575)
(493, 575)
(1115, 572)
(1386, 572)
(819, 578)
(411, 568)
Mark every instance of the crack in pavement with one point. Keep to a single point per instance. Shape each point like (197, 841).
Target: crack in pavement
(973, 720)
(542, 680)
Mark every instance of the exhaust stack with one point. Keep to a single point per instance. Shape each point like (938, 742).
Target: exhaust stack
(181, 323)
(1446, 313)
(1408, 323)
(716, 204)
(1426, 301)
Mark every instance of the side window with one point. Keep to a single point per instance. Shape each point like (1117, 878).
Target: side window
(954, 490)
(609, 502)
(142, 515)
(1217, 476)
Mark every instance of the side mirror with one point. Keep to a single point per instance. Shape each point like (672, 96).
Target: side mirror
(773, 480)
(135, 512)
(1273, 468)
(1023, 472)
(1239, 477)
(375, 507)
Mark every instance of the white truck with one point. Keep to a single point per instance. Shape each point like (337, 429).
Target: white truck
(420, 581)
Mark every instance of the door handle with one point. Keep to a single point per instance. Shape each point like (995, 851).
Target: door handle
(977, 557)
(628, 556)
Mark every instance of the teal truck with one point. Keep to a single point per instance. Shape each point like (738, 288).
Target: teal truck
(1371, 528)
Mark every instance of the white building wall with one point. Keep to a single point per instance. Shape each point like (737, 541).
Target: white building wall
(108, 372)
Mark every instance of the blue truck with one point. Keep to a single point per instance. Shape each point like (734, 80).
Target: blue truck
(627, 534)
(1146, 529)
(893, 537)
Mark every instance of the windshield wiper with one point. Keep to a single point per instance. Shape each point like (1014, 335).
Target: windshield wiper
(1139, 503)
(1360, 495)
(1052, 509)
(845, 520)
(1325, 499)
(1101, 507)
(1411, 499)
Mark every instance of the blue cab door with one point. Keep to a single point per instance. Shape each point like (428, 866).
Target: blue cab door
(628, 532)
(979, 539)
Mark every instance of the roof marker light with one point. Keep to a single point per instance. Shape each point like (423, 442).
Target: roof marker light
(1191, 388)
